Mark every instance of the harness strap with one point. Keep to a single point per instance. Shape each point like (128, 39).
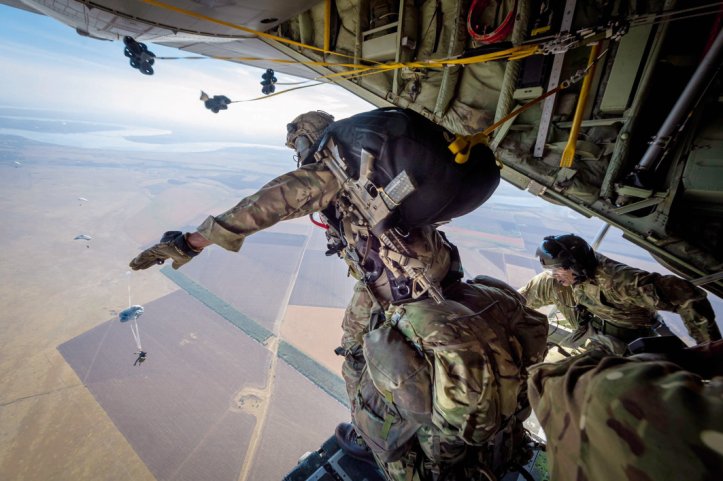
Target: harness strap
(623, 333)
(410, 462)
(388, 420)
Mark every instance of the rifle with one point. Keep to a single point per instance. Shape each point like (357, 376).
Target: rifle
(374, 205)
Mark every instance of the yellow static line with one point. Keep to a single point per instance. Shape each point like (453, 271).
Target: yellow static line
(568, 155)
(269, 36)
(514, 53)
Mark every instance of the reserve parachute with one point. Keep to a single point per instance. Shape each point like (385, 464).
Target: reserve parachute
(382, 146)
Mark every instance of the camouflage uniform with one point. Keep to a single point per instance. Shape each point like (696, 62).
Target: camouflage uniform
(641, 418)
(301, 192)
(478, 344)
(625, 301)
(478, 386)
(492, 361)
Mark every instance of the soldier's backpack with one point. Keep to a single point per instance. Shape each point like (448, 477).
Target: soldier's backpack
(477, 363)
(400, 372)
(403, 140)
(380, 424)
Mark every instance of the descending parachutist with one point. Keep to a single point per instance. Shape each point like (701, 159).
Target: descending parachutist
(84, 237)
(141, 357)
(132, 314)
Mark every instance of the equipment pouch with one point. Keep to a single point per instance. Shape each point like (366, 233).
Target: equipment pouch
(380, 425)
(400, 372)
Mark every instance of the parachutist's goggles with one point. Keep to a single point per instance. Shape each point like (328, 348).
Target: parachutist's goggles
(553, 254)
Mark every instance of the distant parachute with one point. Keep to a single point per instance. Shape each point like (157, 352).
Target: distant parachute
(84, 237)
(82, 199)
(17, 164)
(132, 314)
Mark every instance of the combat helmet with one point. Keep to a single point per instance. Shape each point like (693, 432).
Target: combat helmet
(305, 130)
(568, 251)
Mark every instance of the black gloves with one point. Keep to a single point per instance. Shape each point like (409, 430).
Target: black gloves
(173, 245)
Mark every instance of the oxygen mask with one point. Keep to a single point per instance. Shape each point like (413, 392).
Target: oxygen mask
(302, 146)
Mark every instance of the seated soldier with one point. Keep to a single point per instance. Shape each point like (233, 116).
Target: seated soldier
(653, 417)
(611, 301)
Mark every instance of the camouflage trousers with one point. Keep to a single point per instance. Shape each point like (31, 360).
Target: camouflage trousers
(439, 456)
(354, 325)
(429, 444)
(432, 454)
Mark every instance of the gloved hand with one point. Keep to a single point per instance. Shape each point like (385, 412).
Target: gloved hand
(704, 309)
(173, 245)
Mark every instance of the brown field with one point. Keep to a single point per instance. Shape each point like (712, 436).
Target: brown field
(209, 403)
(92, 415)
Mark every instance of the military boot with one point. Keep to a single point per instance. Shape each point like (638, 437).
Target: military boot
(352, 444)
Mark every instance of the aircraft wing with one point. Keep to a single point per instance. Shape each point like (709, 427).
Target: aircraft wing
(622, 116)
(190, 32)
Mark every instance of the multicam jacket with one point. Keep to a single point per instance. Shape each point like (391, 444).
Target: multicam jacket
(627, 297)
(510, 338)
(308, 189)
(640, 418)
(295, 194)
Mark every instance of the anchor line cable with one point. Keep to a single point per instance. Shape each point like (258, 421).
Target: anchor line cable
(656, 17)
(258, 33)
(358, 69)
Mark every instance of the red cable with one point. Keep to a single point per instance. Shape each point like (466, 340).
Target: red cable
(500, 33)
(317, 223)
(713, 32)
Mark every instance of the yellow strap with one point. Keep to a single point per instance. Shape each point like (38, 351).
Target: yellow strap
(462, 145)
(389, 397)
(514, 53)
(388, 420)
(357, 70)
(327, 25)
(200, 16)
(568, 154)
(277, 93)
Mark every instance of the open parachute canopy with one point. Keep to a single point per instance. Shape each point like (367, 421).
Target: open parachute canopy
(130, 313)
(82, 237)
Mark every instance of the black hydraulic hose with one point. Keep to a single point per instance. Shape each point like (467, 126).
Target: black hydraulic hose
(680, 111)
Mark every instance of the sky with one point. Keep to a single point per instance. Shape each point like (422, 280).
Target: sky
(47, 66)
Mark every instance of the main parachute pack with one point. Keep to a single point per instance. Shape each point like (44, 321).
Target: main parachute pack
(377, 147)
